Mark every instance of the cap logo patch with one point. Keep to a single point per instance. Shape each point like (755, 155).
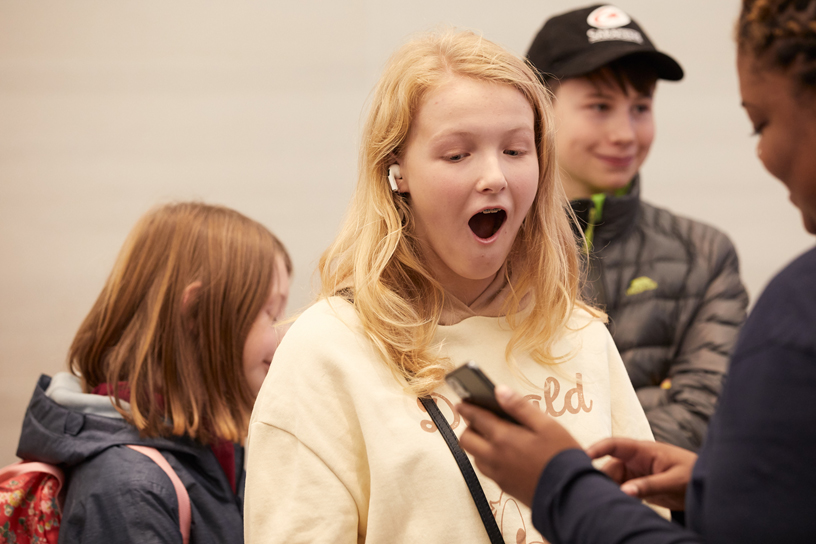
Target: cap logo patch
(608, 21)
(608, 17)
(610, 34)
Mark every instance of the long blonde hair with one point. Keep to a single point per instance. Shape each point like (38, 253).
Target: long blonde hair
(377, 261)
(181, 359)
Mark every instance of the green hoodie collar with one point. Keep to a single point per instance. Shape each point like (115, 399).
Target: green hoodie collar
(596, 213)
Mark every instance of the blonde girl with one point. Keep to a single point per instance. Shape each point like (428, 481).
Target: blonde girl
(171, 356)
(456, 247)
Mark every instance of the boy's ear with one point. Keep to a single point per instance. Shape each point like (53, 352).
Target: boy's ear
(189, 302)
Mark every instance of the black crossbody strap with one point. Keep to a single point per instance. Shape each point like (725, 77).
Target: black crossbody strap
(471, 479)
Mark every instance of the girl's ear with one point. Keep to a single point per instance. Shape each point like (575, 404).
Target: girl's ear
(394, 176)
(189, 303)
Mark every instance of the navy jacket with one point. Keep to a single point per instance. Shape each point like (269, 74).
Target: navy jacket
(755, 479)
(117, 495)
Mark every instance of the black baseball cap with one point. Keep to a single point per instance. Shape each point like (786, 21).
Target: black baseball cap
(579, 42)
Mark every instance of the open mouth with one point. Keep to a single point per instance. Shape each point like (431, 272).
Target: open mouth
(487, 222)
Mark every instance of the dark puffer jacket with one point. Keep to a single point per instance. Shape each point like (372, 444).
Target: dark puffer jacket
(675, 301)
(116, 495)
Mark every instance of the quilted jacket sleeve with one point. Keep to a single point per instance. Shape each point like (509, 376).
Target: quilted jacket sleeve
(679, 415)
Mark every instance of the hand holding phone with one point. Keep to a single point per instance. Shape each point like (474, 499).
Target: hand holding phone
(473, 386)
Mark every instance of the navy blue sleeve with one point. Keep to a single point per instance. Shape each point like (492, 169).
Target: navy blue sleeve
(757, 479)
(577, 504)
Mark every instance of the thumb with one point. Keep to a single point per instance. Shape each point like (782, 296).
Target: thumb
(646, 486)
(514, 404)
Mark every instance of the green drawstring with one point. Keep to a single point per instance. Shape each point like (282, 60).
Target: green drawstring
(595, 215)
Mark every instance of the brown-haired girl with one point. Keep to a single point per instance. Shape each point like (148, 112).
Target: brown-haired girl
(171, 356)
(456, 247)
(754, 480)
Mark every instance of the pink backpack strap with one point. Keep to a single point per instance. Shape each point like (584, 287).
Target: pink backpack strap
(22, 467)
(185, 517)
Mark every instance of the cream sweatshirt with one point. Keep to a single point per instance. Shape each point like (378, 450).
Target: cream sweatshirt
(338, 452)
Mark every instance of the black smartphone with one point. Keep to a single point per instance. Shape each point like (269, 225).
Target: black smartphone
(473, 386)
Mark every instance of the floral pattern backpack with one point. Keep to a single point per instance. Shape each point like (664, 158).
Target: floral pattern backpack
(31, 503)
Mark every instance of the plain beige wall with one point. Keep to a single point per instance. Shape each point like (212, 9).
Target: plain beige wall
(108, 108)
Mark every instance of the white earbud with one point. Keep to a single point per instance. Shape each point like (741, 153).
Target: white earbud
(393, 174)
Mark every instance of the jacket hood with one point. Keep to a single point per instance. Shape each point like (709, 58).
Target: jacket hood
(64, 426)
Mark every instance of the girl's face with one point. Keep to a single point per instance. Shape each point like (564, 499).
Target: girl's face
(265, 333)
(784, 119)
(604, 135)
(470, 165)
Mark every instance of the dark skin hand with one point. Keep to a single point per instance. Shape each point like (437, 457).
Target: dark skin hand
(652, 471)
(514, 456)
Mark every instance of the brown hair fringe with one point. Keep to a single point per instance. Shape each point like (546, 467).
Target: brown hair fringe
(182, 360)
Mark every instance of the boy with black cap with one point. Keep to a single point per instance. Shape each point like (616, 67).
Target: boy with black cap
(670, 285)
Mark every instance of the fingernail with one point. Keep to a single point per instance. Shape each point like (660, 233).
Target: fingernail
(503, 392)
(630, 489)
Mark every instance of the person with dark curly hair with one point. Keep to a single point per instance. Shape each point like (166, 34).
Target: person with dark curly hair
(754, 479)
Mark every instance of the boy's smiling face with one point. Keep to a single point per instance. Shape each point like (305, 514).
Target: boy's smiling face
(603, 134)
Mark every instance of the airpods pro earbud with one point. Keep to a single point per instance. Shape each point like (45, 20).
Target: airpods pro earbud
(393, 174)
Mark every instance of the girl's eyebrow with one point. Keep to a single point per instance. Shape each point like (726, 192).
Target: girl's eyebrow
(441, 136)
(450, 134)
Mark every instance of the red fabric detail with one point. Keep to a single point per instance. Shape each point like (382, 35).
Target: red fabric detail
(29, 511)
(224, 451)
(123, 387)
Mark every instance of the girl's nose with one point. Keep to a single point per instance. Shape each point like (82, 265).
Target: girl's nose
(492, 178)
